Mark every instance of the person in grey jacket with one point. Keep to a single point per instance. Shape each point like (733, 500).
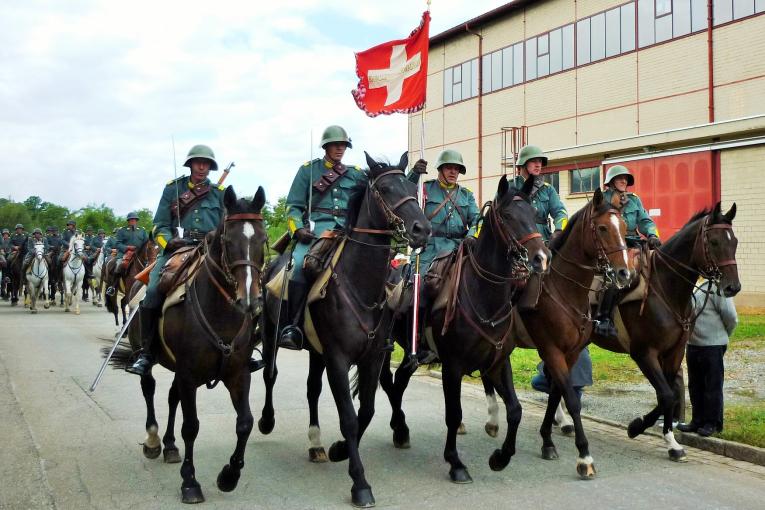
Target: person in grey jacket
(704, 357)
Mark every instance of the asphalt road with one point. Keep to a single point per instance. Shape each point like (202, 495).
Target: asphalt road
(63, 447)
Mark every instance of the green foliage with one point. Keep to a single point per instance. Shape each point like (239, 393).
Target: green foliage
(744, 424)
(750, 327)
(12, 213)
(275, 217)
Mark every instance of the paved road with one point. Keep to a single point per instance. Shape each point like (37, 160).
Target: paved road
(63, 447)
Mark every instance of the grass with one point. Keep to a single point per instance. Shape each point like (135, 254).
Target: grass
(750, 333)
(745, 424)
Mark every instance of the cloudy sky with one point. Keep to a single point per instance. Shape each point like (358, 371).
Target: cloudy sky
(92, 91)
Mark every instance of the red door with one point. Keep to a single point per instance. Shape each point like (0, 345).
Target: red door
(673, 188)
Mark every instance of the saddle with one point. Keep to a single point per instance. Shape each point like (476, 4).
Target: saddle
(438, 273)
(319, 255)
(179, 269)
(127, 258)
(637, 290)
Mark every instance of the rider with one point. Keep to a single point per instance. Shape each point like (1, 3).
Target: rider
(87, 261)
(37, 237)
(547, 204)
(618, 178)
(5, 250)
(327, 183)
(54, 240)
(129, 239)
(96, 243)
(69, 232)
(452, 212)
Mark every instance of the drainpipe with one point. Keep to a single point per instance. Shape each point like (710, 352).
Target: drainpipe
(710, 61)
(480, 111)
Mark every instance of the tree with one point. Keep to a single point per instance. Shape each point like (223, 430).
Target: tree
(97, 217)
(275, 218)
(12, 213)
(145, 219)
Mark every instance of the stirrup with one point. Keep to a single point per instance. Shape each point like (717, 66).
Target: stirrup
(605, 327)
(110, 291)
(291, 338)
(141, 366)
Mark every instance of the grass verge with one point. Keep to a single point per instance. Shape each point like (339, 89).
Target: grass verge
(745, 424)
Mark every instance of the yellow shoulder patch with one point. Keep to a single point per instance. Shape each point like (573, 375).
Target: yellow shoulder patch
(467, 189)
(358, 168)
(221, 187)
(173, 180)
(547, 183)
(306, 163)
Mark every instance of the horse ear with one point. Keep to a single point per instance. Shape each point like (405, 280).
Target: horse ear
(502, 187)
(229, 197)
(717, 211)
(528, 186)
(731, 213)
(259, 200)
(371, 163)
(597, 198)
(404, 162)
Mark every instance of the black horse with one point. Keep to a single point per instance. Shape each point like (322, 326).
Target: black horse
(14, 270)
(351, 321)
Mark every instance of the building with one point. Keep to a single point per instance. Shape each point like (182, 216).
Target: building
(673, 89)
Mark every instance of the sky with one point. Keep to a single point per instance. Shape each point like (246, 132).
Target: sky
(93, 93)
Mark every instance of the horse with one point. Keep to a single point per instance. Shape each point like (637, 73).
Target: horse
(208, 337)
(95, 281)
(351, 320)
(16, 260)
(37, 278)
(143, 257)
(55, 278)
(656, 328)
(561, 324)
(74, 273)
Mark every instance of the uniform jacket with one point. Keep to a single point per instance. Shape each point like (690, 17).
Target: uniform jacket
(130, 236)
(18, 239)
(547, 203)
(5, 245)
(203, 216)
(635, 215)
(66, 237)
(54, 241)
(31, 245)
(452, 222)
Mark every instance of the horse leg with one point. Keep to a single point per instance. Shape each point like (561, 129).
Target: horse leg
(191, 491)
(151, 445)
(337, 374)
(504, 385)
(45, 295)
(239, 390)
(451, 380)
(170, 451)
(316, 452)
(492, 423)
(395, 389)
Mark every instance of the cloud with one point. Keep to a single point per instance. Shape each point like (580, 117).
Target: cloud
(91, 92)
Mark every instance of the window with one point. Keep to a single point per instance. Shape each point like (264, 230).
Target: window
(461, 82)
(448, 86)
(729, 10)
(553, 180)
(606, 34)
(661, 20)
(628, 27)
(742, 8)
(583, 42)
(543, 55)
(531, 58)
(584, 179)
(567, 37)
(598, 37)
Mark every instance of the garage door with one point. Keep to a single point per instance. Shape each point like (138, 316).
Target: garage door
(673, 188)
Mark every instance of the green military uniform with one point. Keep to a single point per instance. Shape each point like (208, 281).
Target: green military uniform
(18, 240)
(547, 203)
(5, 242)
(329, 208)
(129, 236)
(635, 216)
(67, 236)
(54, 241)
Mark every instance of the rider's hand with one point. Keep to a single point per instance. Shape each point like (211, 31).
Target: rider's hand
(555, 235)
(420, 167)
(175, 243)
(470, 242)
(304, 235)
(654, 242)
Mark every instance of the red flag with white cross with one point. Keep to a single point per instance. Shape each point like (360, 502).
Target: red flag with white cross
(393, 75)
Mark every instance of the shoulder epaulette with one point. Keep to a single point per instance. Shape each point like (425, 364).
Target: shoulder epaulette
(221, 187)
(358, 168)
(308, 163)
(174, 180)
(467, 189)
(546, 183)
(429, 180)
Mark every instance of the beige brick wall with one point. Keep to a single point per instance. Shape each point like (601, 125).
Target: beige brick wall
(460, 49)
(544, 16)
(503, 108)
(740, 99)
(674, 67)
(606, 125)
(686, 110)
(586, 8)
(607, 84)
(742, 182)
(503, 33)
(540, 106)
(739, 50)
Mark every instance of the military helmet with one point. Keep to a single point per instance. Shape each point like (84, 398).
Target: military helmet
(530, 152)
(450, 156)
(19, 225)
(5, 231)
(335, 134)
(101, 231)
(37, 231)
(132, 215)
(204, 152)
(616, 171)
(71, 222)
(88, 228)
(49, 229)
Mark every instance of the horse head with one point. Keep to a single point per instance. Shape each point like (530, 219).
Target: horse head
(77, 245)
(396, 197)
(242, 239)
(716, 256)
(512, 221)
(39, 251)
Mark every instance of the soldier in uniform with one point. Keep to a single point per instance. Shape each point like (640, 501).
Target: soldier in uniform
(68, 234)
(5, 251)
(5, 243)
(129, 238)
(618, 178)
(37, 237)
(88, 251)
(54, 240)
(329, 184)
(18, 239)
(97, 242)
(547, 204)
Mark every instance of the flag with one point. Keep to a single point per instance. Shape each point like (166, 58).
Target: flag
(393, 75)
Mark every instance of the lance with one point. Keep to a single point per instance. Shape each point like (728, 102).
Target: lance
(417, 276)
(117, 340)
(226, 171)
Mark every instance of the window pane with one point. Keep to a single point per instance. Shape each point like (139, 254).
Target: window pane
(496, 70)
(531, 59)
(543, 65)
(457, 92)
(742, 8)
(699, 15)
(723, 11)
(584, 179)
(681, 18)
(507, 67)
(664, 28)
(583, 42)
(628, 27)
(447, 85)
(759, 5)
(466, 80)
(518, 63)
(663, 7)
(542, 46)
(598, 36)
(486, 72)
(645, 23)
(553, 180)
(613, 33)
(474, 77)
(457, 74)
(568, 46)
(555, 51)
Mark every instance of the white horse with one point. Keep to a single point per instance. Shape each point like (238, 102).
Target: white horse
(37, 278)
(95, 282)
(74, 273)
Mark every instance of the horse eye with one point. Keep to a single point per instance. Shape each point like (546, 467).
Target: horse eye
(602, 229)
(714, 242)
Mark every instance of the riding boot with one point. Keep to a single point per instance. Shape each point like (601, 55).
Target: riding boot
(291, 336)
(111, 288)
(149, 321)
(604, 323)
(530, 295)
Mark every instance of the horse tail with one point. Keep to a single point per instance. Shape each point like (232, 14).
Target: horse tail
(123, 355)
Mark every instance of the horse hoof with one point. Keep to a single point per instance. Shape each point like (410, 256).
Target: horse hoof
(491, 429)
(362, 498)
(228, 478)
(585, 470)
(171, 456)
(549, 453)
(191, 495)
(77, 312)
(317, 455)
(151, 452)
(461, 430)
(401, 439)
(46, 306)
(567, 430)
(266, 425)
(338, 451)
(33, 312)
(635, 428)
(497, 462)
(460, 475)
(678, 455)
(100, 305)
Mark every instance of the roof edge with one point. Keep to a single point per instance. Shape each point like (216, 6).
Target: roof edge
(482, 19)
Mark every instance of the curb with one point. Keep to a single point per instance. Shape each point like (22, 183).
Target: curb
(730, 449)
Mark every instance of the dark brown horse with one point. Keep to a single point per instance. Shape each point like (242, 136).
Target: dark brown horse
(657, 329)
(208, 337)
(144, 256)
(15, 261)
(352, 321)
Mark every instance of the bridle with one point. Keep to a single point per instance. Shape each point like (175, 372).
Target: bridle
(395, 222)
(515, 248)
(711, 267)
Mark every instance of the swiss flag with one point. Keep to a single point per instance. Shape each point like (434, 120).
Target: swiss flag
(393, 75)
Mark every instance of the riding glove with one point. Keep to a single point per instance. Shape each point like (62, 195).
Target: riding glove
(304, 235)
(654, 242)
(420, 167)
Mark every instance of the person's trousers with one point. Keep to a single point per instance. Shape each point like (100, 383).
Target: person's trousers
(706, 373)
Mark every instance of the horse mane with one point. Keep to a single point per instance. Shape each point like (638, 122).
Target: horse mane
(354, 206)
(700, 214)
(558, 242)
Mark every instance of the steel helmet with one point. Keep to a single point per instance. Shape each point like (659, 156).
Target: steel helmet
(335, 134)
(37, 231)
(132, 215)
(450, 156)
(616, 171)
(531, 152)
(5, 231)
(19, 225)
(101, 231)
(71, 222)
(49, 229)
(204, 152)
